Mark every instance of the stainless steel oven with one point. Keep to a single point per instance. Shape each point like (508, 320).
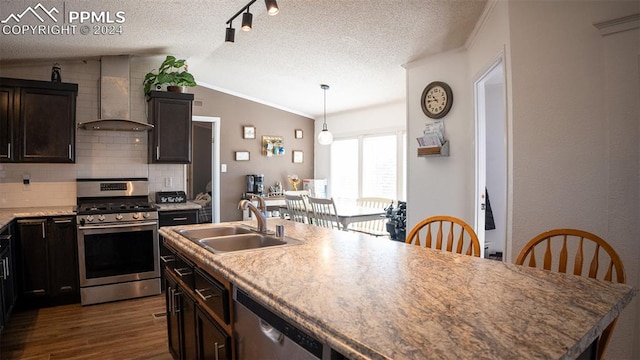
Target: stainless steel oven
(118, 250)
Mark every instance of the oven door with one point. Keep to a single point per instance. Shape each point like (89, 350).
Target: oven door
(115, 253)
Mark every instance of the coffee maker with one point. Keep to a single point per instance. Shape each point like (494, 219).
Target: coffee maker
(255, 184)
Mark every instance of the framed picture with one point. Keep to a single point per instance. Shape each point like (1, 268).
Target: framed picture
(298, 156)
(242, 156)
(298, 133)
(248, 132)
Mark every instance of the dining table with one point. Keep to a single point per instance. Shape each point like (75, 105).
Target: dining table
(349, 213)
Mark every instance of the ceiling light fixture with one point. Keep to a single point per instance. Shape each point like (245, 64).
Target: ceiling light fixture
(247, 18)
(230, 36)
(272, 7)
(325, 137)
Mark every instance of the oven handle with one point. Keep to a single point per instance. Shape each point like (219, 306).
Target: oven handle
(97, 227)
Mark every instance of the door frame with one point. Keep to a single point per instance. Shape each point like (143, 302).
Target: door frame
(215, 164)
(480, 102)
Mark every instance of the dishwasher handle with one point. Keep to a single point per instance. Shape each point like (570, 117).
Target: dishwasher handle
(271, 333)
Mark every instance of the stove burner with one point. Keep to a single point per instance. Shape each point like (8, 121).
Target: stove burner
(103, 208)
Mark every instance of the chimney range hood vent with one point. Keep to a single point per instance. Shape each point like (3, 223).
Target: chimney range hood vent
(115, 98)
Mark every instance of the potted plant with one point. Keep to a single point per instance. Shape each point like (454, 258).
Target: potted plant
(172, 72)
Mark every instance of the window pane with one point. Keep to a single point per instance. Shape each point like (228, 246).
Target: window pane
(379, 166)
(344, 169)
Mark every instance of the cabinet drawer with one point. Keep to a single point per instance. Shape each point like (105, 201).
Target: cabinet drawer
(213, 294)
(174, 218)
(167, 257)
(183, 269)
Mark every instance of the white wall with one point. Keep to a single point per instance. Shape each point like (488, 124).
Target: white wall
(382, 118)
(441, 185)
(98, 153)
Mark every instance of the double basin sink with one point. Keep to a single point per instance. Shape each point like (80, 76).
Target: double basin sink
(221, 239)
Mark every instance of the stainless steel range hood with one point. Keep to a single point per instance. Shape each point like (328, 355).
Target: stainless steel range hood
(115, 98)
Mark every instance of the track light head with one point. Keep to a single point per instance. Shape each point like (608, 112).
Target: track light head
(230, 35)
(247, 18)
(272, 7)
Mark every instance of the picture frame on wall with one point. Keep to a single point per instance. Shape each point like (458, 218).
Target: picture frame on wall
(298, 133)
(242, 156)
(248, 132)
(298, 156)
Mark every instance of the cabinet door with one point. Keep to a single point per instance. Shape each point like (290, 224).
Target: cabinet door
(173, 321)
(171, 136)
(34, 261)
(63, 260)
(47, 125)
(6, 123)
(177, 217)
(213, 342)
(188, 314)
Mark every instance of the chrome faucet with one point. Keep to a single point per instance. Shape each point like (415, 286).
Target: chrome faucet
(260, 215)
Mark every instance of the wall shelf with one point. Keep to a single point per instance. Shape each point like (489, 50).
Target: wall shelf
(434, 150)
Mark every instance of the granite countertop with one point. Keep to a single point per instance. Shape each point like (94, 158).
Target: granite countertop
(189, 205)
(372, 298)
(9, 214)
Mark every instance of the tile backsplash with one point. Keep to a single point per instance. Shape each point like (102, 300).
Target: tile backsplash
(112, 154)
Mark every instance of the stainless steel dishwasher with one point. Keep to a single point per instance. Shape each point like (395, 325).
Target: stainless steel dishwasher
(261, 334)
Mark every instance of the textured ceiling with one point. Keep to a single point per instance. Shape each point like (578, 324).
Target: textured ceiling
(357, 47)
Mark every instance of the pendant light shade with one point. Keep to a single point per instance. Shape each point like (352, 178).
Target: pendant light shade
(325, 137)
(247, 18)
(230, 36)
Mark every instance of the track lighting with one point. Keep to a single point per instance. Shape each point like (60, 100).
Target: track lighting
(230, 36)
(325, 137)
(272, 7)
(247, 18)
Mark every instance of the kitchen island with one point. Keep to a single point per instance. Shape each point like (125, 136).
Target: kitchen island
(371, 298)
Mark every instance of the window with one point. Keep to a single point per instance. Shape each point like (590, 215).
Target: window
(369, 166)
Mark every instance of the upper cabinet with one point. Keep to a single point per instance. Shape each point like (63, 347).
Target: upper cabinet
(170, 139)
(37, 121)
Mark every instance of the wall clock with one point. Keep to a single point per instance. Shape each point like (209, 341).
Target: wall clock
(437, 99)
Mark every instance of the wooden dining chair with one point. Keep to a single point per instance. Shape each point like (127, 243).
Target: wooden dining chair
(372, 227)
(458, 235)
(323, 212)
(586, 247)
(297, 208)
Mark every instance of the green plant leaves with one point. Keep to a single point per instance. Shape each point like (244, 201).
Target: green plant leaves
(169, 73)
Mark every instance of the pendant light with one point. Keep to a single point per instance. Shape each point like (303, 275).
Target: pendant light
(325, 137)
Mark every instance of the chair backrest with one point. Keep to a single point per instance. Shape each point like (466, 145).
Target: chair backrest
(586, 249)
(323, 212)
(297, 208)
(373, 227)
(460, 237)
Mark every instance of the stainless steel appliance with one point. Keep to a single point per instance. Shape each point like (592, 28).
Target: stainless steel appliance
(258, 184)
(118, 251)
(261, 334)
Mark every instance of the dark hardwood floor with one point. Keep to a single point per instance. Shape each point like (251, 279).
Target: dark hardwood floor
(118, 330)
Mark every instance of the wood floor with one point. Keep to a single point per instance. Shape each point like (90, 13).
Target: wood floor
(118, 330)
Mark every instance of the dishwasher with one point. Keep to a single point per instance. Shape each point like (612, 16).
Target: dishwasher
(261, 334)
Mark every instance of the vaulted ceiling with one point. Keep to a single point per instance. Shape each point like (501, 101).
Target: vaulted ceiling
(358, 47)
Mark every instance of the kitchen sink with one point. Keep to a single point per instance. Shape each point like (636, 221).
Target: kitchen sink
(232, 238)
(197, 234)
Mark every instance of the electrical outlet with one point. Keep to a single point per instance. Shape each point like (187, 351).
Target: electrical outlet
(168, 182)
(223, 168)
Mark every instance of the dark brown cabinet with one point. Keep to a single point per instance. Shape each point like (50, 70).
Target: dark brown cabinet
(170, 138)
(48, 261)
(181, 308)
(37, 121)
(8, 293)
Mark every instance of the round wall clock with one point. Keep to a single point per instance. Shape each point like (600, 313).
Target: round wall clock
(437, 99)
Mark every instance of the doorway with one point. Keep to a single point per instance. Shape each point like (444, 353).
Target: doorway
(491, 161)
(203, 174)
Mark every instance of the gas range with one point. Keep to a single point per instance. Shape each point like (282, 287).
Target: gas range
(114, 200)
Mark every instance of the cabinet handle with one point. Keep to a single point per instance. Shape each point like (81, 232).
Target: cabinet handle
(158, 152)
(217, 347)
(69, 151)
(183, 272)
(180, 219)
(5, 237)
(64, 221)
(202, 296)
(6, 271)
(36, 292)
(9, 150)
(44, 235)
(168, 258)
(66, 289)
(176, 308)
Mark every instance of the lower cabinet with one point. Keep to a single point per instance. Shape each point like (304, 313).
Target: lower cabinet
(48, 261)
(7, 276)
(193, 331)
